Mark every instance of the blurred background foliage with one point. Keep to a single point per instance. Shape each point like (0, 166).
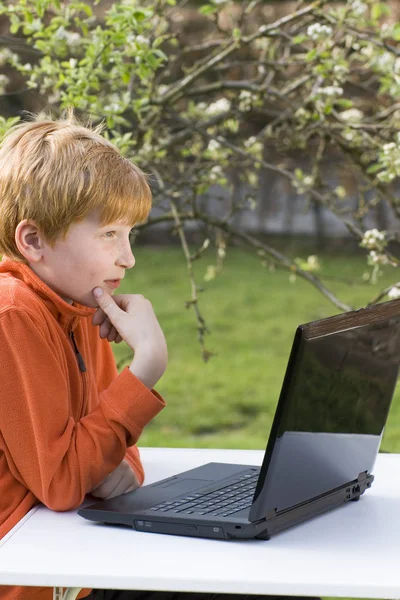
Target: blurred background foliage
(257, 122)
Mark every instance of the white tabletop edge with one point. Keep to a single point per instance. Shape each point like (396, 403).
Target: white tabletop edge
(20, 523)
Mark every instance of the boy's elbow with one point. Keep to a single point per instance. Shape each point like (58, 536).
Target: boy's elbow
(64, 503)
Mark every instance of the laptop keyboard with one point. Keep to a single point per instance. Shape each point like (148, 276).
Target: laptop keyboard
(224, 501)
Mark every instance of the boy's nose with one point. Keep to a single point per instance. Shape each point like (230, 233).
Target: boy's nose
(127, 261)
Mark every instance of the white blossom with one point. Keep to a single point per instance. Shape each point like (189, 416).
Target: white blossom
(313, 262)
(6, 55)
(72, 38)
(60, 33)
(378, 259)
(367, 50)
(245, 99)
(213, 145)
(373, 238)
(54, 97)
(394, 293)
(140, 39)
(250, 141)
(340, 69)
(353, 114)
(316, 31)
(387, 148)
(114, 107)
(261, 43)
(387, 30)
(216, 173)
(359, 7)
(4, 80)
(330, 90)
(221, 105)
(385, 61)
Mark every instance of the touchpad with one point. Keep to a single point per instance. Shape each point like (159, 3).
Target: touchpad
(184, 485)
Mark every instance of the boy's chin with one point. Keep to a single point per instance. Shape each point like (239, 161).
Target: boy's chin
(86, 300)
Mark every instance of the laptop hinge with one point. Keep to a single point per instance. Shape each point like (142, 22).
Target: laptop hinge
(271, 514)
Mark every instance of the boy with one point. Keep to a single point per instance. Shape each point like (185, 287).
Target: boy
(68, 421)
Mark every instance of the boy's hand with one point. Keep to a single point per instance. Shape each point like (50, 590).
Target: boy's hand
(133, 318)
(134, 321)
(120, 481)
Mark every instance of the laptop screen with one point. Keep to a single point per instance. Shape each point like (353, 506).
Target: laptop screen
(333, 407)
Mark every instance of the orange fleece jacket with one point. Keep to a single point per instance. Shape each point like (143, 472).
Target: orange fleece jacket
(62, 429)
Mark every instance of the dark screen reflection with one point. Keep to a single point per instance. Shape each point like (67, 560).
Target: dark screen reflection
(333, 409)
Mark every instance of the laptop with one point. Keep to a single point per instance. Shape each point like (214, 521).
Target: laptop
(325, 436)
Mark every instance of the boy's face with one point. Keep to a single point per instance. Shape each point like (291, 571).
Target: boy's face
(89, 257)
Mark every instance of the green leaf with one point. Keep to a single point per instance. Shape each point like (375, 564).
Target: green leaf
(311, 55)
(299, 39)
(139, 15)
(379, 10)
(160, 54)
(374, 168)
(144, 71)
(28, 17)
(14, 28)
(236, 33)
(344, 103)
(396, 32)
(207, 9)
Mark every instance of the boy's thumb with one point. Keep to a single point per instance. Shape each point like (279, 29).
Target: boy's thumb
(97, 292)
(104, 300)
(107, 304)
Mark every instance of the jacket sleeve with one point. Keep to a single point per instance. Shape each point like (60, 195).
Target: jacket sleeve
(57, 458)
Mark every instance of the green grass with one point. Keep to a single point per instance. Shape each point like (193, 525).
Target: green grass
(252, 315)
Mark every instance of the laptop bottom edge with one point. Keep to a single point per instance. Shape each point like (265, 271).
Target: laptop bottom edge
(239, 528)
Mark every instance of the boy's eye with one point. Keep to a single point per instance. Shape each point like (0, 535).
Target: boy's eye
(110, 233)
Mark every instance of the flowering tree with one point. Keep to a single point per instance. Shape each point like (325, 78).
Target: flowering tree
(225, 102)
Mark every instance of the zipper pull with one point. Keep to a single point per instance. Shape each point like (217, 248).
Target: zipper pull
(81, 363)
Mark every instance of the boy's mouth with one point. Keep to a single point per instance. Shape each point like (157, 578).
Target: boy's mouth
(113, 283)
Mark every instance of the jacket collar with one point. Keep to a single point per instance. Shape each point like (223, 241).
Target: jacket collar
(67, 315)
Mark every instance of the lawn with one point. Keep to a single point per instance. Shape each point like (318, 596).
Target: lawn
(252, 314)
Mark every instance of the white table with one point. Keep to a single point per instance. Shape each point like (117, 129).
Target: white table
(353, 551)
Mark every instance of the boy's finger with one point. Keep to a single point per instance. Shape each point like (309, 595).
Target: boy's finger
(107, 304)
(98, 317)
(105, 328)
(112, 335)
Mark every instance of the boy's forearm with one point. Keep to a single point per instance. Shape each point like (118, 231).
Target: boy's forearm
(148, 366)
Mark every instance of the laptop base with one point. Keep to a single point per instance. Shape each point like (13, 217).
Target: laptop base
(236, 527)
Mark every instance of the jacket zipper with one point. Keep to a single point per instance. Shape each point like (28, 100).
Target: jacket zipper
(81, 363)
(83, 370)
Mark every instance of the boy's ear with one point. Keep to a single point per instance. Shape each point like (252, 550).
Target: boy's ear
(29, 240)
